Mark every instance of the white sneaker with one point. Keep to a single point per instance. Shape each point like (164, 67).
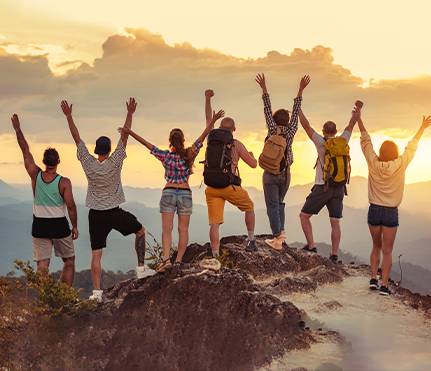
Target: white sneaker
(144, 271)
(97, 296)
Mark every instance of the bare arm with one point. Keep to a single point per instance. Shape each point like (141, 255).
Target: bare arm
(136, 137)
(426, 122)
(131, 108)
(208, 110)
(354, 119)
(30, 165)
(267, 110)
(66, 188)
(214, 117)
(67, 110)
(305, 124)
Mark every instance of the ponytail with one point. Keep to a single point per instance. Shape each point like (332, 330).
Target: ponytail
(176, 140)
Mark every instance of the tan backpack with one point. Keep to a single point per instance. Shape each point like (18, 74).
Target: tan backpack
(273, 153)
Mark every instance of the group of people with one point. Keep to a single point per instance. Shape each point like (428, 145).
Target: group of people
(53, 196)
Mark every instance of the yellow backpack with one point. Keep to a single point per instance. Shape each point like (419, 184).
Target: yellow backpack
(336, 167)
(273, 153)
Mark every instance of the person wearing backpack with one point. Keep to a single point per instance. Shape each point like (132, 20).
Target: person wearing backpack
(276, 159)
(386, 179)
(176, 195)
(221, 176)
(332, 175)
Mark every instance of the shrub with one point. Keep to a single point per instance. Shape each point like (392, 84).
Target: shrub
(53, 297)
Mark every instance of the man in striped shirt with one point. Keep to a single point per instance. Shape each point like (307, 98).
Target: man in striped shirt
(105, 195)
(52, 197)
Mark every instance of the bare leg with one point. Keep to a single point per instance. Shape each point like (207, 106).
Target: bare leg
(68, 271)
(43, 266)
(335, 235)
(307, 229)
(140, 246)
(215, 238)
(96, 267)
(250, 221)
(376, 235)
(167, 226)
(388, 240)
(183, 232)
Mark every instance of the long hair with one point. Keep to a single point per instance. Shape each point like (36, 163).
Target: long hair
(388, 151)
(281, 117)
(176, 141)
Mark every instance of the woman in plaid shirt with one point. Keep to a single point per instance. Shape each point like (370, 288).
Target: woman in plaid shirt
(176, 195)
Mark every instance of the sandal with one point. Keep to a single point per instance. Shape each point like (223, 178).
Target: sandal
(308, 249)
(165, 264)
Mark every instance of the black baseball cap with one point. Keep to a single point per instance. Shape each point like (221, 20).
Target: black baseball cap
(103, 146)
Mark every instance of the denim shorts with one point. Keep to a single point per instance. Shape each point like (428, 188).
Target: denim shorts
(176, 200)
(383, 216)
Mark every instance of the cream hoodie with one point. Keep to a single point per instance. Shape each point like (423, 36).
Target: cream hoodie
(386, 179)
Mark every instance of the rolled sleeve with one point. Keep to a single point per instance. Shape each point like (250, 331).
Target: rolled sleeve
(159, 154)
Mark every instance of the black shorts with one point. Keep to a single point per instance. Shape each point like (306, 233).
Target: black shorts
(102, 222)
(331, 197)
(383, 216)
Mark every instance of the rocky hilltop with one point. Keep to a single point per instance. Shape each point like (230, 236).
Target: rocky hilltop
(194, 317)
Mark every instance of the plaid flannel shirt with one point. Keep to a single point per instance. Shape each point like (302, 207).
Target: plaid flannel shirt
(176, 169)
(288, 131)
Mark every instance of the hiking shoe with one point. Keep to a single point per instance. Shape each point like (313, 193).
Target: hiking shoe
(251, 246)
(97, 296)
(144, 271)
(164, 265)
(308, 249)
(384, 291)
(374, 284)
(276, 243)
(334, 258)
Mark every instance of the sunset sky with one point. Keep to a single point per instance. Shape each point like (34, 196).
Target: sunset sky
(166, 53)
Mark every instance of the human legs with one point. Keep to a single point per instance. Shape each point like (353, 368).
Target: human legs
(215, 201)
(68, 272)
(215, 239)
(96, 267)
(167, 227)
(335, 235)
(140, 246)
(376, 235)
(388, 240)
(271, 192)
(307, 228)
(183, 233)
(43, 266)
(283, 188)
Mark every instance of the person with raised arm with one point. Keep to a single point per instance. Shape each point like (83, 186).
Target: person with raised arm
(221, 176)
(327, 190)
(105, 195)
(176, 195)
(276, 159)
(52, 196)
(386, 179)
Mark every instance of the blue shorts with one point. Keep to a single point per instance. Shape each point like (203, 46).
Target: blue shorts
(383, 216)
(176, 200)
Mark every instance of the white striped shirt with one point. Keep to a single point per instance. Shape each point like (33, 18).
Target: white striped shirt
(105, 190)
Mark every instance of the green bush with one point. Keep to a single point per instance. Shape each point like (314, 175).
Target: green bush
(53, 297)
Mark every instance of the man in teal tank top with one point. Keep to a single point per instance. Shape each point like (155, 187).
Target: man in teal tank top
(52, 198)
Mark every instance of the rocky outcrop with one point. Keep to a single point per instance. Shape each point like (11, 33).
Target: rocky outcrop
(189, 318)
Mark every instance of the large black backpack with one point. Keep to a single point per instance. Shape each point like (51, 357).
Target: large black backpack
(218, 160)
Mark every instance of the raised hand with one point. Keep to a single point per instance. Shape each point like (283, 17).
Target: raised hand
(356, 113)
(209, 93)
(131, 105)
(304, 82)
(426, 121)
(66, 108)
(216, 116)
(124, 130)
(260, 79)
(15, 122)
